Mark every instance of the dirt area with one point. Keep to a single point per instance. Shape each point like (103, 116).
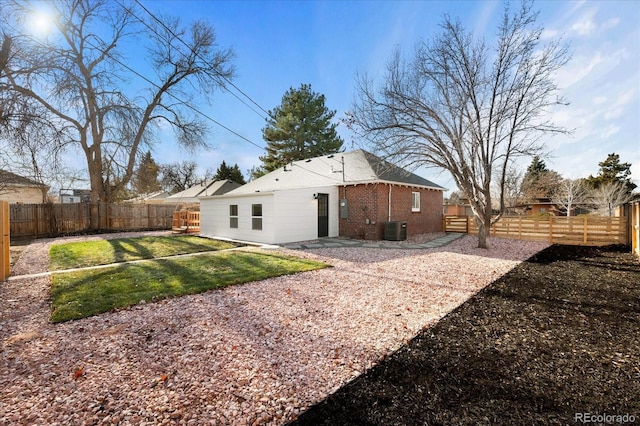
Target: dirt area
(554, 341)
(16, 248)
(258, 353)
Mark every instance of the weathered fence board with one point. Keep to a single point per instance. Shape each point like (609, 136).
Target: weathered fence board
(4, 241)
(583, 230)
(38, 220)
(634, 227)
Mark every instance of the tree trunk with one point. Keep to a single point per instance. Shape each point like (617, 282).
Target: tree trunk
(97, 191)
(482, 235)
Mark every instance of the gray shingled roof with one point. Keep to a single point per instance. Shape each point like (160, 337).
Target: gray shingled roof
(206, 188)
(9, 178)
(346, 168)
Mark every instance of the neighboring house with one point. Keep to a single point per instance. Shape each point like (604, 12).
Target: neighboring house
(206, 188)
(17, 189)
(69, 196)
(158, 197)
(463, 208)
(349, 194)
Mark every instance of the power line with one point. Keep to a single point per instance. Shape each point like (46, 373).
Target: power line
(159, 21)
(208, 117)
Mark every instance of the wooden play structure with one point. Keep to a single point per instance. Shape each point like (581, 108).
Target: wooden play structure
(186, 222)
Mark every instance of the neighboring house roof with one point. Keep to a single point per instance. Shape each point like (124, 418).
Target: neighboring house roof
(345, 168)
(207, 188)
(12, 179)
(152, 196)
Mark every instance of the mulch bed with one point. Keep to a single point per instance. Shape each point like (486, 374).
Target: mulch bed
(556, 337)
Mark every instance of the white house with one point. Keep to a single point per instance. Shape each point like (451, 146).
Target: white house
(346, 194)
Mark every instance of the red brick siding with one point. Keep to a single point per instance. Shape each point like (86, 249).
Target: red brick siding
(371, 202)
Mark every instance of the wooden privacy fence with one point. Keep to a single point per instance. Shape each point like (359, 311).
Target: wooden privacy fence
(582, 230)
(634, 227)
(4, 240)
(39, 220)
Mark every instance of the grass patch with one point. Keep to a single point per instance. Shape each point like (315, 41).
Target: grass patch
(105, 252)
(82, 294)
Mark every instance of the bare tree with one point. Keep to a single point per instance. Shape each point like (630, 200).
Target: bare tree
(179, 176)
(466, 108)
(81, 79)
(608, 196)
(511, 190)
(571, 193)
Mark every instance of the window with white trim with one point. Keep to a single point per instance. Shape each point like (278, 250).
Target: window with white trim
(233, 216)
(415, 201)
(256, 217)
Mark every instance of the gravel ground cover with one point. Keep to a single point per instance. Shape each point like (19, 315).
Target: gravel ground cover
(554, 341)
(259, 353)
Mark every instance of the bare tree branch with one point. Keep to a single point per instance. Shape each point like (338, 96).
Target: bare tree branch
(79, 79)
(463, 107)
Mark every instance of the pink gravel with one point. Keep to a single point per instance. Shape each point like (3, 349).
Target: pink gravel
(258, 353)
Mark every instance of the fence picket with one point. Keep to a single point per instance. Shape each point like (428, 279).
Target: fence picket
(4, 241)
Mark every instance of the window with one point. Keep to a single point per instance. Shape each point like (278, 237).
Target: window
(415, 201)
(233, 216)
(256, 216)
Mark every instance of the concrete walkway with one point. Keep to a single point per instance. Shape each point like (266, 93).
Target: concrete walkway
(341, 242)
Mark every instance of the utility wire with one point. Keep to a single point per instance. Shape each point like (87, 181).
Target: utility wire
(159, 21)
(208, 117)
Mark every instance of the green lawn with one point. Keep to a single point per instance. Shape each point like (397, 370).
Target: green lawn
(105, 252)
(82, 294)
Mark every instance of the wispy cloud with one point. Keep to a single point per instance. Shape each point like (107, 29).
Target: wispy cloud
(609, 24)
(585, 25)
(579, 68)
(609, 131)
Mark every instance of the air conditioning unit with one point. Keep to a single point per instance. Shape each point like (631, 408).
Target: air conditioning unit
(395, 231)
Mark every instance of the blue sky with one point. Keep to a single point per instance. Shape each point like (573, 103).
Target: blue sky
(282, 44)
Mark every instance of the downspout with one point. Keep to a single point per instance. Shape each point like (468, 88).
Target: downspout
(389, 218)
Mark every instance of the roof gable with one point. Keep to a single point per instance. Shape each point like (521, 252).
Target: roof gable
(207, 188)
(9, 178)
(346, 168)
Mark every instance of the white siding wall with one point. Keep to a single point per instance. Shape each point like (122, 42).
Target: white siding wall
(297, 214)
(287, 216)
(214, 218)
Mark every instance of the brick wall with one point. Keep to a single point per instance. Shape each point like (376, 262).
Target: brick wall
(368, 207)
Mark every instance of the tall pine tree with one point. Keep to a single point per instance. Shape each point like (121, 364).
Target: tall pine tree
(612, 171)
(539, 181)
(145, 179)
(299, 128)
(231, 173)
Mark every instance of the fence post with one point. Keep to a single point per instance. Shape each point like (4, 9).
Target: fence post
(4, 240)
(551, 229)
(37, 221)
(519, 227)
(585, 230)
(468, 226)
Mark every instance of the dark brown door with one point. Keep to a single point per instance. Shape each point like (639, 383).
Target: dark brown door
(323, 215)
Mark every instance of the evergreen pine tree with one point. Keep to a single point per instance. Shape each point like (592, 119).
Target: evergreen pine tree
(231, 173)
(145, 180)
(612, 171)
(299, 128)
